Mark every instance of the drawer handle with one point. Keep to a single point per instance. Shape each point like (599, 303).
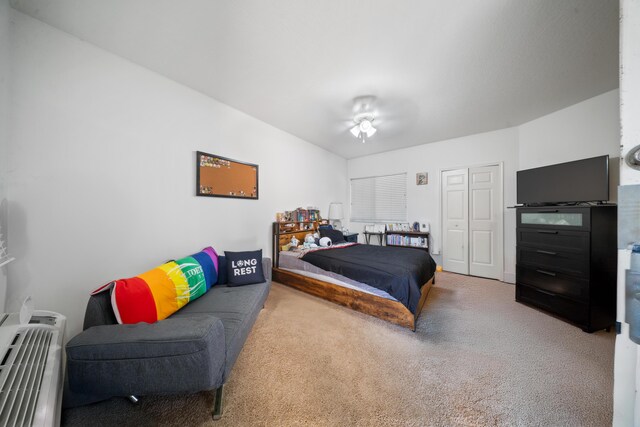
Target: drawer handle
(548, 273)
(547, 232)
(546, 293)
(549, 211)
(540, 251)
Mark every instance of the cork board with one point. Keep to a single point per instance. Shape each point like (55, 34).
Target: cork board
(221, 177)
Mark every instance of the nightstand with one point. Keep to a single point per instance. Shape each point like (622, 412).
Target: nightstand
(351, 237)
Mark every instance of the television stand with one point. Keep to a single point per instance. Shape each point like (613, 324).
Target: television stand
(566, 262)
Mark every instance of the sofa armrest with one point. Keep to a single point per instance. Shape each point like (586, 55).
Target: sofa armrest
(266, 268)
(99, 311)
(142, 359)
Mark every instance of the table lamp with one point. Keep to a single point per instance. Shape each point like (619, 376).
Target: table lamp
(336, 214)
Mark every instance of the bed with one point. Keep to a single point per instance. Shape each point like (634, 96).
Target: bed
(390, 283)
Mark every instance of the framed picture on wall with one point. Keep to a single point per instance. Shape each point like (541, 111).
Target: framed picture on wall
(422, 178)
(218, 176)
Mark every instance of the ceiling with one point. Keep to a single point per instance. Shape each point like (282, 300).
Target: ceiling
(438, 69)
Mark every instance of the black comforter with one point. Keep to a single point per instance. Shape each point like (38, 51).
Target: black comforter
(400, 272)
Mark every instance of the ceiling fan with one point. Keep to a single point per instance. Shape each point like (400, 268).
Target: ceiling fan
(363, 118)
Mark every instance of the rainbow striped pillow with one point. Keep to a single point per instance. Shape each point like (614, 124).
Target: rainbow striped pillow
(160, 292)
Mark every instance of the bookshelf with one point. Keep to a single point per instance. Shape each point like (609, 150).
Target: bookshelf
(283, 231)
(408, 239)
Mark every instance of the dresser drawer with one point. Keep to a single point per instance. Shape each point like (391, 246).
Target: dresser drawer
(562, 261)
(571, 241)
(573, 311)
(553, 281)
(570, 218)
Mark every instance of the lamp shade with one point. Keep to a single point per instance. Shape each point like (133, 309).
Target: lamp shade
(335, 211)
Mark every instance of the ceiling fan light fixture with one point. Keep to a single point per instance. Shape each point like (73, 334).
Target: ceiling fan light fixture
(365, 126)
(363, 119)
(371, 132)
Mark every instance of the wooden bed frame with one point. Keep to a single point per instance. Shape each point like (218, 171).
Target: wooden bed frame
(382, 308)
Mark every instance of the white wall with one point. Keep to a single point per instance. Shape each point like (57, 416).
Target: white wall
(588, 129)
(4, 133)
(102, 177)
(423, 202)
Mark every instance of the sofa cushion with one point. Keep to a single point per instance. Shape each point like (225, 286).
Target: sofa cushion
(120, 360)
(244, 268)
(170, 337)
(237, 308)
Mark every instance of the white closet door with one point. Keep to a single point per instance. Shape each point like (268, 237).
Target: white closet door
(485, 222)
(455, 207)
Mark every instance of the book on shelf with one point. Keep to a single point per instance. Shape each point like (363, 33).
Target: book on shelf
(403, 240)
(299, 215)
(399, 226)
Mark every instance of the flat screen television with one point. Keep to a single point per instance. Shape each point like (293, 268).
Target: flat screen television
(585, 180)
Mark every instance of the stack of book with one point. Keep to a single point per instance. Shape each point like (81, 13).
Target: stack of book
(299, 215)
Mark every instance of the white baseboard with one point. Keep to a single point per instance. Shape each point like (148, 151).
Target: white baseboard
(509, 277)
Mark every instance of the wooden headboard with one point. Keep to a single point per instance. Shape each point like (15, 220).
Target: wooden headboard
(284, 231)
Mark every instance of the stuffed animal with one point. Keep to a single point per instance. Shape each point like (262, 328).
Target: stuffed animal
(325, 242)
(309, 238)
(294, 242)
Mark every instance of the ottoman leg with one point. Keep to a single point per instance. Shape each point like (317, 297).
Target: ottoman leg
(217, 404)
(133, 399)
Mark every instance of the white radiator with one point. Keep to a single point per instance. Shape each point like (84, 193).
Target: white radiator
(31, 369)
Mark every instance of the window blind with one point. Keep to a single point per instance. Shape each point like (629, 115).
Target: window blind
(379, 198)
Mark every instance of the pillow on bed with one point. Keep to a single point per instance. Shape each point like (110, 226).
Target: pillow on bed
(335, 235)
(325, 242)
(244, 268)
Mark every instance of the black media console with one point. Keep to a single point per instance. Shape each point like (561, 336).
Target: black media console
(567, 262)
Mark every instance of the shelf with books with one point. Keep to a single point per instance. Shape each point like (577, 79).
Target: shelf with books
(408, 239)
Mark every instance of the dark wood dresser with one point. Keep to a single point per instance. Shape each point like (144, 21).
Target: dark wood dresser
(567, 262)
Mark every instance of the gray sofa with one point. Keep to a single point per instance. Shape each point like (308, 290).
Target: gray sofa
(192, 350)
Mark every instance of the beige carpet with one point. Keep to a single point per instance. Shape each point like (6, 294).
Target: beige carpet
(477, 358)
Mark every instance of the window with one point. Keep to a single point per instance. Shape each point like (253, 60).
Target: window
(379, 198)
